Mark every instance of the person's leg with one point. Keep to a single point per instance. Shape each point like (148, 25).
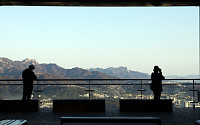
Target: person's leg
(29, 93)
(156, 95)
(24, 93)
(159, 94)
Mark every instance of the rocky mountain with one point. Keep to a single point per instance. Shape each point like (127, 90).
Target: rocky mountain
(13, 69)
(9, 68)
(122, 72)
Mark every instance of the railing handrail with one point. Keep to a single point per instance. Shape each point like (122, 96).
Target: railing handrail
(99, 80)
(91, 79)
(88, 82)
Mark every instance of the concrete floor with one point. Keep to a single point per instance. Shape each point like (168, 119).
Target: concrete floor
(179, 116)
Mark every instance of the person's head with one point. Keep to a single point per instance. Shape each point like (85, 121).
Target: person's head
(32, 67)
(156, 69)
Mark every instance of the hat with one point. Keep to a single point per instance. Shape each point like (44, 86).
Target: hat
(156, 68)
(32, 66)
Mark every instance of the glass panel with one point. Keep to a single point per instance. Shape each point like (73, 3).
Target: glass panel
(60, 90)
(9, 92)
(110, 90)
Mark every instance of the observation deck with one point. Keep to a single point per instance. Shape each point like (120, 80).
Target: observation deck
(184, 94)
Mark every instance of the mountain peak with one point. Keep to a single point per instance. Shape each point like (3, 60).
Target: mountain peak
(120, 69)
(2, 59)
(124, 68)
(32, 61)
(122, 72)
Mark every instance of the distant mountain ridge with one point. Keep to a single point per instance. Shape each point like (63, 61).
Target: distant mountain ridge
(15, 68)
(183, 77)
(122, 72)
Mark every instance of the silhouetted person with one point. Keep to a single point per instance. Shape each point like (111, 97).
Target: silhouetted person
(156, 85)
(28, 77)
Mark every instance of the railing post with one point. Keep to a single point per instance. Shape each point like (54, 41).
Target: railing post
(193, 98)
(141, 89)
(89, 89)
(37, 90)
(193, 94)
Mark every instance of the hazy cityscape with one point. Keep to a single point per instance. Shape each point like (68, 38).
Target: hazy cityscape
(181, 97)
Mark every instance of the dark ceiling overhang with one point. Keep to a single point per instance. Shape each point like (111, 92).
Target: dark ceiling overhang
(99, 3)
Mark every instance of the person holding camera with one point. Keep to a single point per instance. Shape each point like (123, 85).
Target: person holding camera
(156, 85)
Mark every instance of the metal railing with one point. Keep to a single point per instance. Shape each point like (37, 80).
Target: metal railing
(192, 85)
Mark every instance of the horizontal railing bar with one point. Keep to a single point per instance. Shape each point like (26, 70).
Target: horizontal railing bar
(103, 84)
(78, 84)
(94, 79)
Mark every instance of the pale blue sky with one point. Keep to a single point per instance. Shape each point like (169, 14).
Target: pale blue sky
(90, 37)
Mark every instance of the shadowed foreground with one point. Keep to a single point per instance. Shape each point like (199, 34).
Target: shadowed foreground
(182, 116)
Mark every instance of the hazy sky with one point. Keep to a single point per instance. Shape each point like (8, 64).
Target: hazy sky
(90, 37)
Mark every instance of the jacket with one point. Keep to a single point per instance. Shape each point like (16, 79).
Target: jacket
(28, 77)
(156, 84)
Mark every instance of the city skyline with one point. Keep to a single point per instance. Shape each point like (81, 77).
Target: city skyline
(89, 37)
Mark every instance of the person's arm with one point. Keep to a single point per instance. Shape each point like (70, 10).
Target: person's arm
(151, 76)
(162, 77)
(24, 75)
(34, 76)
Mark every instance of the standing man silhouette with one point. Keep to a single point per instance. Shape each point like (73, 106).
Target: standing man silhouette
(28, 77)
(156, 85)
